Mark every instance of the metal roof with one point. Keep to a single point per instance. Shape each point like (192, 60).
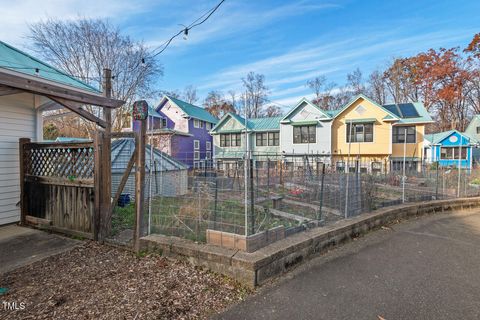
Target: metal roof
(193, 111)
(254, 124)
(122, 150)
(16, 60)
(437, 138)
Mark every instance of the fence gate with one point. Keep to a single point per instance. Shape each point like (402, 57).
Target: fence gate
(58, 186)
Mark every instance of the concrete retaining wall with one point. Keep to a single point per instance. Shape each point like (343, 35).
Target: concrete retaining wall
(258, 267)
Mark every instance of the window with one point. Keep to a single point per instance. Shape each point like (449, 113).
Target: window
(201, 123)
(273, 138)
(208, 155)
(360, 132)
(398, 134)
(196, 155)
(196, 123)
(478, 130)
(196, 144)
(261, 139)
(230, 139)
(304, 134)
(164, 123)
(196, 165)
(450, 153)
(208, 145)
(208, 125)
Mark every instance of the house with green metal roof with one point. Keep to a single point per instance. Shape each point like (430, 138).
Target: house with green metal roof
(263, 140)
(305, 135)
(28, 87)
(181, 130)
(450, 149)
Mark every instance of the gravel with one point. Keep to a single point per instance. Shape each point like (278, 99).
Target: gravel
(102, 282)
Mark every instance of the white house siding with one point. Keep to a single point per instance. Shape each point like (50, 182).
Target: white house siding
(175, 114)
(17, 120)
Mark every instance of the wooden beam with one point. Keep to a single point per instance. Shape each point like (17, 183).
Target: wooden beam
(6, 90)
(124, 180)
(45, 87)
(75, 107)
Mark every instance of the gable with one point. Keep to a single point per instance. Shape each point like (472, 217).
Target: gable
(362, 108)
(304, 111)
(472, 126)
(229, 124)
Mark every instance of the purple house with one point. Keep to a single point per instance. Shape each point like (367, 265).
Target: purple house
(181, 130)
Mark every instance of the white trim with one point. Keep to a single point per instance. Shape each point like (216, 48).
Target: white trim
(196, 144)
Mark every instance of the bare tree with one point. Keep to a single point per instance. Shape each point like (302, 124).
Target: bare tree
(323, 92)
(377, 89)
(190, 94)
(272, 111)
(256, 93)
(355, 82)
(84, 47)
(316, 85)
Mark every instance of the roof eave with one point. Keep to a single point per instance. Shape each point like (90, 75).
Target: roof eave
(46, 87)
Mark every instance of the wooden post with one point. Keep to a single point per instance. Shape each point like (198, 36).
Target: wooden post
(320, 201)
(23, 200)
(106, 181)
(140, 135)
(96, 221)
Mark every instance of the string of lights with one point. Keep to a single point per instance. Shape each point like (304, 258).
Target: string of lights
(185, 30)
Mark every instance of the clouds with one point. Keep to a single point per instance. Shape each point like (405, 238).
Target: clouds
(16, 15)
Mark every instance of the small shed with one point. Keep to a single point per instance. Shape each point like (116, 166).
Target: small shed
(169, 176)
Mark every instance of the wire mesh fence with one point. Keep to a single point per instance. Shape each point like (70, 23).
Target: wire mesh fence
(266, 191)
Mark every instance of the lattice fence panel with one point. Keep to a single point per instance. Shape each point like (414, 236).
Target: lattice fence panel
(60, 162)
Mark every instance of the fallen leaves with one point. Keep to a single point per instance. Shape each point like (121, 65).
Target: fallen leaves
(101, 282)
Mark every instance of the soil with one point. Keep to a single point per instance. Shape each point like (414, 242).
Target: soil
(95, 281)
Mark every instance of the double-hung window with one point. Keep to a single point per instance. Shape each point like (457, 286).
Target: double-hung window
(304, 134)
(398, 134)
(359, 132)
(261, 139)
(274, 139)
(230, 139)
(196, 149)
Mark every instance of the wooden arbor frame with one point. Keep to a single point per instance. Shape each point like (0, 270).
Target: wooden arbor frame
(71, 98)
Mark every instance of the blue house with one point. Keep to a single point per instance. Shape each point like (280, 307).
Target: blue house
(450, 149)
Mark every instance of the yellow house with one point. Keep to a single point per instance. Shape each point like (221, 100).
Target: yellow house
(377, 138)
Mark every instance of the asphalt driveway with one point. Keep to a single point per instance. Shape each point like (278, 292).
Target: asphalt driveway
(425, 268)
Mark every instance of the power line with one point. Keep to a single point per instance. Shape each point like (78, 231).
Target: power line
(185, 30)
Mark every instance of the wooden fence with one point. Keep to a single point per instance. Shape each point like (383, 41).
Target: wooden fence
(58, 186)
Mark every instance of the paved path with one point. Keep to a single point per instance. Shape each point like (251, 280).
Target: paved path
(20, 246)
(425, 268)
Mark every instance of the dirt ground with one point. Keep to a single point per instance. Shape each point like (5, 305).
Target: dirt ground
(101, 282)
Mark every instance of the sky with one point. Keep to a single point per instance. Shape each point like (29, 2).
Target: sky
(289, 42)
